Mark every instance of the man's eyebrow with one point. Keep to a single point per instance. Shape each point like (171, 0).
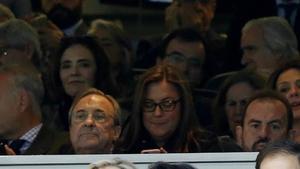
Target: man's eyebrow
(247, 47)
(175, 53)
(80, 111)
(99, 110)
(83, 60)
(254, 121)
(66, 61)
(275, 121)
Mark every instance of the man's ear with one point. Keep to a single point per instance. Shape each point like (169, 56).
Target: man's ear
(29, 50)
(239, 135)
(117, 132)
(23, 100)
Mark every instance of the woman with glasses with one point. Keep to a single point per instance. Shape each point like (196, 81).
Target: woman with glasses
(163, 118)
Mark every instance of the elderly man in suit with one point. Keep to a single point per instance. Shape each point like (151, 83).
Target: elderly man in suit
(94, 122)
(268, 43)
(251, 9)
(21, 93)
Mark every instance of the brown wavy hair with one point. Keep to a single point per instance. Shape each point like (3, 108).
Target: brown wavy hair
(134, 128)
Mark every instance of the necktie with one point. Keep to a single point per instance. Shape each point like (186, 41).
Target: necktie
(16, 145)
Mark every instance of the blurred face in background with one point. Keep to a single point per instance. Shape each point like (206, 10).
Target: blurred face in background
(77, 69)
(187, 57)
(256, 55)
(63, 13)
(288, 84)
(186, 13)
(236, 99)
(112, 48)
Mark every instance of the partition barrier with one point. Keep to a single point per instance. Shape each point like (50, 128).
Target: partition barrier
(141, 161)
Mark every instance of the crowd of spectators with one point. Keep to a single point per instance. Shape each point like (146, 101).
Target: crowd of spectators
(72, 87)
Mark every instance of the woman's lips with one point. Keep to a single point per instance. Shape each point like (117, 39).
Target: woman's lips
(295, 105)
(75, 82)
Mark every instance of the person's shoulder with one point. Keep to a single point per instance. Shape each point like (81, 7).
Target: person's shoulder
(201, 140)
(228, 144)
(48, 141)
(207, 141)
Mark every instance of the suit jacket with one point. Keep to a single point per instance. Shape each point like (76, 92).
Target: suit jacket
(47, 142)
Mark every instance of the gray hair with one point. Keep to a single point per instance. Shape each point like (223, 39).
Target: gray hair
(118, 163)
(18, 33)
(90, 91)
(26, 76)
(281, 147)
(6, 12)
(278, 35)
(115, 27)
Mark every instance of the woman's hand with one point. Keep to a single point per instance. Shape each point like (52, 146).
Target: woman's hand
(154, 151)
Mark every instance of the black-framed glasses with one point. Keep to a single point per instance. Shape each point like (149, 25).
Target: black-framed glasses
(165, 105)
(177, 58)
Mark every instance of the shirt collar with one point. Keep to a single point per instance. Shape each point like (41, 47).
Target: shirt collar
(71, 31)
(30, 135)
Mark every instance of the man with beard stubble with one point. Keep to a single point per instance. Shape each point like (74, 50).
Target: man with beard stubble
(66, 14)
(267, 117)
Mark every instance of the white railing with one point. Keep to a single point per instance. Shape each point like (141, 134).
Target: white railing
(198, 160)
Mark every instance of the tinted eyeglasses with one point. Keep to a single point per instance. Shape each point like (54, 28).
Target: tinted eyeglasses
(165, 106)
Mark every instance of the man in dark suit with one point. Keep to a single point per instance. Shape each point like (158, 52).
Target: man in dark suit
(250, 9)
(21, 93)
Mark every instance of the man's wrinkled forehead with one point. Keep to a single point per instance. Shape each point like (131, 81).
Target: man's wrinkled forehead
(273, 102)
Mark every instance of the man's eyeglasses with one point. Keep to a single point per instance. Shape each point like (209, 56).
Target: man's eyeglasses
(165, 106)
(177, 58)
(81, 116)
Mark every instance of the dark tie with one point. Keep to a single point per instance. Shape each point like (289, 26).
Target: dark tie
(16, 145)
